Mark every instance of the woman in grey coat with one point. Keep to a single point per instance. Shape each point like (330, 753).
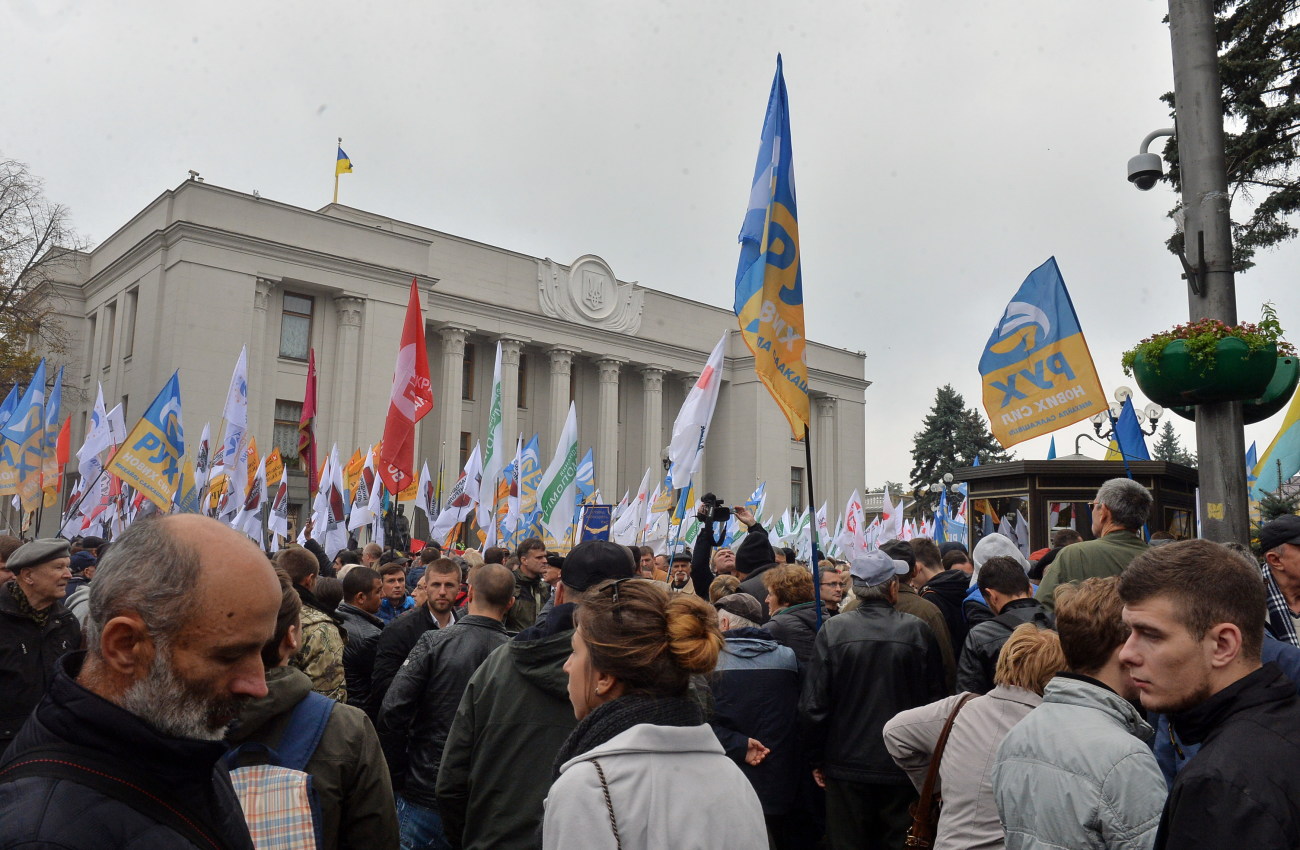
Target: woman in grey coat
(969, 818)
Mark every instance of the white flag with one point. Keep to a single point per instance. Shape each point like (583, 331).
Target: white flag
(630, 522)
(362, 512)
(513, 517)
(463, 497)
(278, 519)
(203, 458)
(235, 441)
(249, 518)
(557, 494)
(426, 497)
(691, 428)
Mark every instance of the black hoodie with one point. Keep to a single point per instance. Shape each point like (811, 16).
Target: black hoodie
(947, 590)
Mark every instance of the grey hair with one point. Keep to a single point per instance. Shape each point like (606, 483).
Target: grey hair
(866, 593)
(736, 621)
(150, 571)
(1129, 502)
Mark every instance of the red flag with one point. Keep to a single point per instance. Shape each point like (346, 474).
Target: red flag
(307, 428)
(410, 400)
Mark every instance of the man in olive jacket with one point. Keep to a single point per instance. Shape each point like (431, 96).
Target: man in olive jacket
(1119, 511)
(500, 752)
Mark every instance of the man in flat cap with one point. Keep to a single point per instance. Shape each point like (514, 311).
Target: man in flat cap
(35, 629)
(1279, 541)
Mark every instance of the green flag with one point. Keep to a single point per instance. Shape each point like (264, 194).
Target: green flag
(558, 492)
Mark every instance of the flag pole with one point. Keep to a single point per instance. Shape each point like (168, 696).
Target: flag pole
(812, 525)
(336, 174)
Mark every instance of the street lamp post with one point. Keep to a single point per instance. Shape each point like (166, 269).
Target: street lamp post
(1211, 292)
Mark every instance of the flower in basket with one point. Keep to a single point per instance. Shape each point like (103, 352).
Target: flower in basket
(1201, 339)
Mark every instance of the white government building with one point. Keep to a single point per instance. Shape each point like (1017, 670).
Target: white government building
(203, 270)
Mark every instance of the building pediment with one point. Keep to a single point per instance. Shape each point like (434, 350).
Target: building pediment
(588, 293)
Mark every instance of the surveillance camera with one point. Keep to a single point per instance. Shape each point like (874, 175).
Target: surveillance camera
(1144, 170)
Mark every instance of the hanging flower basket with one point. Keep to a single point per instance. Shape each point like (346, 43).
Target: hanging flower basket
(1208, 361)
(1286, 376)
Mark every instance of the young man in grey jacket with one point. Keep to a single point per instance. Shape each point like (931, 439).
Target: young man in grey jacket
(1077, 771)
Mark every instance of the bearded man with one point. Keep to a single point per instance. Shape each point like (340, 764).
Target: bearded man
(123, 750)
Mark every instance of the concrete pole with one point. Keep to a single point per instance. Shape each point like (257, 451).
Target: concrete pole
(1220, 440)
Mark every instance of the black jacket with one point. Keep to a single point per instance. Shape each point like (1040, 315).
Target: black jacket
(756, 695)
(41, 812)
(796, 627)
(395, 643)
(979, 656)
(1240, 789)
(422, 701)
(947, 590)
(363, 631)
(868, 665)
(28, 653)
(530, 595)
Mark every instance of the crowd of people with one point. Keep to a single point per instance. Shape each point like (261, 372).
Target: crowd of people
(177, 687)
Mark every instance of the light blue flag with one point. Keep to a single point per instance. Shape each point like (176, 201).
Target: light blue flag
(7, 409)
(26, 430)
(1128, 434)
(941, 518)
(20, 424)
(586, 481)
(52, 420)
(1284, 451)
(1252, 459)
(757, 499)
(1051, 450)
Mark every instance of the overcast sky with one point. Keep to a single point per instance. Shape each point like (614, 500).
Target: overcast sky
(942, 151)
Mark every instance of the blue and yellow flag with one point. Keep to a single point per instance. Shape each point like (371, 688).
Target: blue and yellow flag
(24, 435)
(769, 283)
(1038, 372)
(343, 165)
(8, 449)
(150, 459)
(1284, 450)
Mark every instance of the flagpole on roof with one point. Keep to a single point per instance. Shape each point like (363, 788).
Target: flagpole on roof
(336, 174)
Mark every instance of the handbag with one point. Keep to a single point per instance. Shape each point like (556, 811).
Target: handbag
(925, 811)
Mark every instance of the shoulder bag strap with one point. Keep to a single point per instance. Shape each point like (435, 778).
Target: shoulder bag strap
(306, 725)
(609, 804)
(927, 800)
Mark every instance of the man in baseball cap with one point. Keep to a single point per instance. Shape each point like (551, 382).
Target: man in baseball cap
(877, 661)
(1279, 541)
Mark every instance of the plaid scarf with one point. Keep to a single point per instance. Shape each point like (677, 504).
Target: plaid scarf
(25, 607)
(1280, 624)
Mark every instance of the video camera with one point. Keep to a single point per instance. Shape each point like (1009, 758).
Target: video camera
(713, 509)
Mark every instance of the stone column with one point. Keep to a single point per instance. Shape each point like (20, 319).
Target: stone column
(826, 482)
(652, 385)
(607, 431)
(261, 356)
(346, 391)
(453, 361)
(561, 375)
(510, 350)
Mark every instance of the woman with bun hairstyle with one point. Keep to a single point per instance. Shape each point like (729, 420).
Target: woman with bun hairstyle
(643, 769)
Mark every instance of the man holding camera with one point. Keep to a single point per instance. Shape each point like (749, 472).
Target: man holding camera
(752, 556)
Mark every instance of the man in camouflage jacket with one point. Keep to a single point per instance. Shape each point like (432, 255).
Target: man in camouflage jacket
(323, 638)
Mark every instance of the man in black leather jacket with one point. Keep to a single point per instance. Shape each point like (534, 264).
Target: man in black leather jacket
(868, 665)
(1006, 587)
(421, 703)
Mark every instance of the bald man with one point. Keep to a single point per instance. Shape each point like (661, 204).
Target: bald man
(122, 752)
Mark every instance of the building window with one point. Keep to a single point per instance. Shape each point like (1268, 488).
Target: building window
(467, 373)
(522, 394)
(130, 305)
(110, 327)
(91, 321)
(796, 488)
(295, 326)
(287, 416)
(464, 448)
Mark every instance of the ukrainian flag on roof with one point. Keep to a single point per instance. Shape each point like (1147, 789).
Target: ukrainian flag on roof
(343, 165)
